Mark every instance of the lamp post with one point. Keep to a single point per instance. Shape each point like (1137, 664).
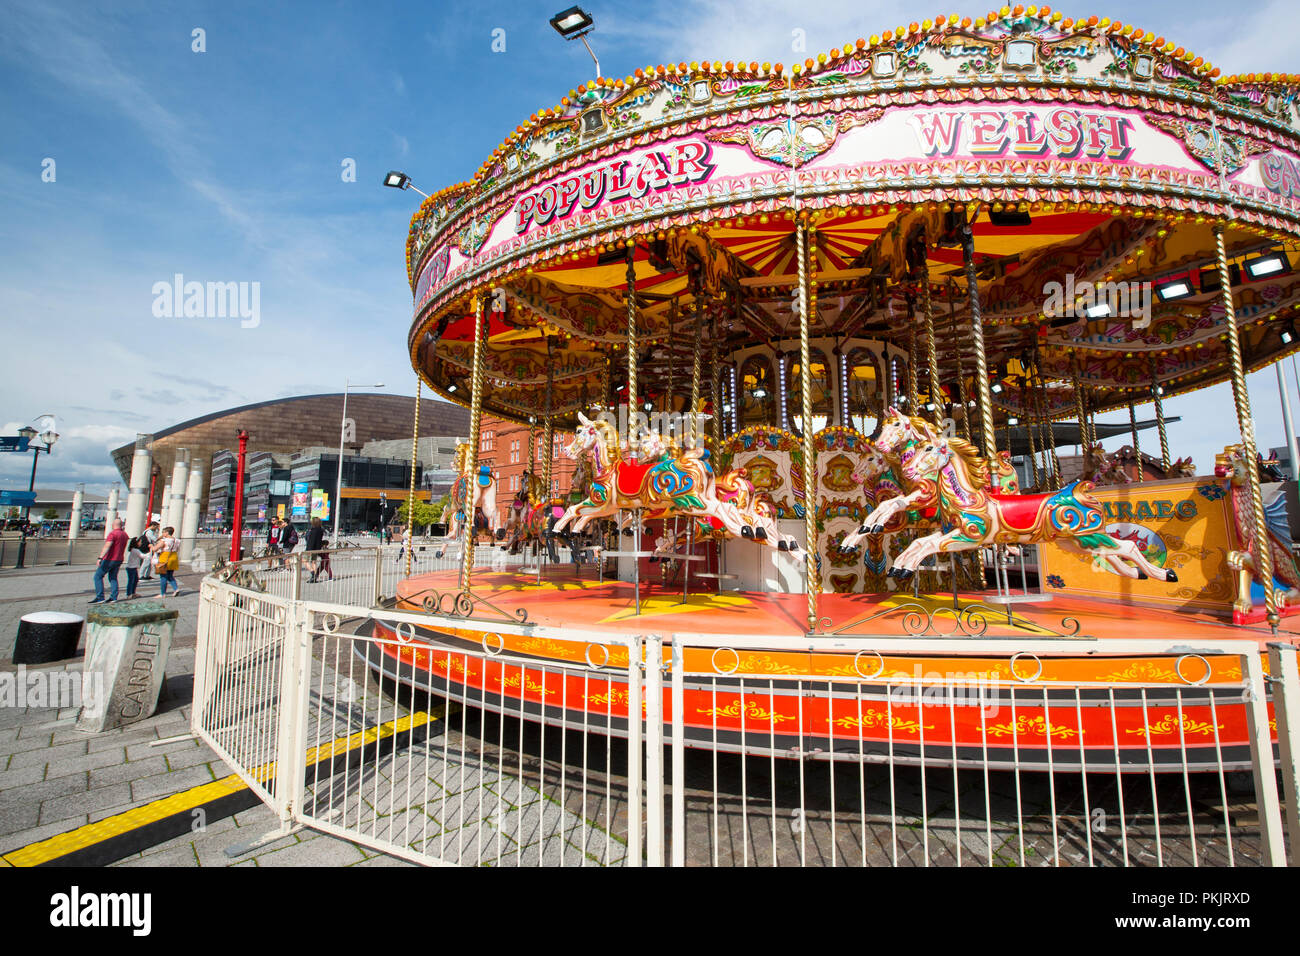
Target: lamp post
(48, 437)
(397, 180)
(343, 429)
(574, 24)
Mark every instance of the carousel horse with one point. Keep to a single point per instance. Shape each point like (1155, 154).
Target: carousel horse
(470, 498)
(876, 475)
(663, 485)
(949, 475)
(1231, 464)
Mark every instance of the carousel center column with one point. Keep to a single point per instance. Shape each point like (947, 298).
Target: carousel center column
(475, 420)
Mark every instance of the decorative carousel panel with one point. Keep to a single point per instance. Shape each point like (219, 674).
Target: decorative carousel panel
(773, 460)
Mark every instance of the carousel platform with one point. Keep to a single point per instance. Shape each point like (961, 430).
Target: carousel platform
(610, 606)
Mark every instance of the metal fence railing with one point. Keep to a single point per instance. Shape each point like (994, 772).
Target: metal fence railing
(427, 737)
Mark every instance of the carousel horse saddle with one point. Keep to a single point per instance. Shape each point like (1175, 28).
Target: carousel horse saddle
(484, 475)
(631, 476)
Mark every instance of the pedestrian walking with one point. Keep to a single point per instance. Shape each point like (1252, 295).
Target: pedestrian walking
(151, 538)
(315, 539)
(273, 537)
(167, 551)
(288, 540)
(137, 554)
(406, 543)
(110, 559)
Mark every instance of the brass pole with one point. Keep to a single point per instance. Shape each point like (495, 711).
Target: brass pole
(806, 302)
(475, 420)
(931, 352)
(913, 398)
(695, 359)
(1160, 420)
(961, 369)
(977, 341)
(1264, 557)
(548, 431)
(633, 439)
(410, 497)
(1137, 449)
(1049, 432)
(1028, 426)
(1083, 424)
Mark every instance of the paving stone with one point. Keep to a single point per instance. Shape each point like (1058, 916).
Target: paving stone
(17, 818)
(60, 808)
(37, 731)
(46, 755)
(121, 772)
(101, 758)
(34, 793)
(17, 841)
(325, 852)
(145, 750)
(174, 856)
(192, 758)
(121, 737)
(11, 779)
(26, 744)
(164, 785)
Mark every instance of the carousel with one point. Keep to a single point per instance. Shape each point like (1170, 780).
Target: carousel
(818, 334)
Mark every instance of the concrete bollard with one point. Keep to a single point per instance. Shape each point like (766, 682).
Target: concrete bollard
(126, 657)
(45, 636)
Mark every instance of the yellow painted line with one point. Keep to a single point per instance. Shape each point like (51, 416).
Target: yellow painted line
(659, 604)
(188, 800)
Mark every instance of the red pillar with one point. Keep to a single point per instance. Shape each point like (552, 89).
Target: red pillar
(148, 509)
(237, 529)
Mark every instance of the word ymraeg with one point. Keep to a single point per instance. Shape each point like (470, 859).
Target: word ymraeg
(623, 178)
(212, 300)
(74, 909)
(1098, 300)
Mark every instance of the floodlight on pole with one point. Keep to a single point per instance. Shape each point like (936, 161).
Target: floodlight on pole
(574, 24)
(343, 430)
(399, 180)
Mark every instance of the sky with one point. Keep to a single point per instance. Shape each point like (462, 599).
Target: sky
(229, 165)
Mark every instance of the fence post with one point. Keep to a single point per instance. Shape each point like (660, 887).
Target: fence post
(290, 763)
(1261, 759)
(296, 577)
(635, 679)
(379, 575)
(1285, 678)
(202, 643)
(654, 750)
(678, 828)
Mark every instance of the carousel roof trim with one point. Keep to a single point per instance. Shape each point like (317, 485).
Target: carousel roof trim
(1252, 86)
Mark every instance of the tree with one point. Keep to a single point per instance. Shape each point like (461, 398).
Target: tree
(51, 514)
(425, 514)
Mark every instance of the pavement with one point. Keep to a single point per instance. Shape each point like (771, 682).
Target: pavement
(55, 779)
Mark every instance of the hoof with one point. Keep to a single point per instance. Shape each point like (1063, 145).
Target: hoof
(781, 546)
(747, 532)
(1171, 576)
(760, 534)
(864, 530)
(876, 529)
(628, 532)
(1142, 575)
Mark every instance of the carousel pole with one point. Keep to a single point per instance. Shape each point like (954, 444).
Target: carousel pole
(1029, 431)
(977, 340)
(410, 498)
(633, 439)
(913, 398)
(695, 362)
(931, 351)
(1083, 423)
(1049, 432)
(961, 370)
(1291, 448)
(1160, 420)
(548, 447)
(809, 473)
(1264, 558)
(475, 421)
(1137, 449)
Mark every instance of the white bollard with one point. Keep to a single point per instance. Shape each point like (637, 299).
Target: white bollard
(74, 521)
(189, 526)
(137, 497)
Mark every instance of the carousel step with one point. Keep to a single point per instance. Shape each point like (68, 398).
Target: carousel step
(629, 554)
(683, 556)
(715, 574)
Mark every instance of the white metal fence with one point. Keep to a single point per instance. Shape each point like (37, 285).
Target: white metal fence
(343, 717)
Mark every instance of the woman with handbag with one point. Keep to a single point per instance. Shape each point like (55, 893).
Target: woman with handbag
(168, 551)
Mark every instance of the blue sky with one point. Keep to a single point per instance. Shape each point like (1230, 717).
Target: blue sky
(226, 166)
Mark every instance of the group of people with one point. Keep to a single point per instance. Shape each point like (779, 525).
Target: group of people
(157, 550)
(282, 538)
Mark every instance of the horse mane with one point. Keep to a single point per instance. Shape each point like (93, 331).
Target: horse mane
(977, 468)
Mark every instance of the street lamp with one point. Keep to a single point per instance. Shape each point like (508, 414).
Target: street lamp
(574, 24)
(343, 429)
(48, 437)
(397, 180)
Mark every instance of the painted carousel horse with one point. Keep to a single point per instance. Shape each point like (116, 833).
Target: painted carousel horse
(474, 500)
(1231, 464)
(876, 475)
(531, 516)
(662, 485)
(1104, 469)
(950, 475)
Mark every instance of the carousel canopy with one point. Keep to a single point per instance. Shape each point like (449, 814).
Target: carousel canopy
(1093, 161)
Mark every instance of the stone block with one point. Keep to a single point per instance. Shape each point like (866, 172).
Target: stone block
(126, 657)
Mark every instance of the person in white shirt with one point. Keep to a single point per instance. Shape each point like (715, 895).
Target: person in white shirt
(150, 539)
